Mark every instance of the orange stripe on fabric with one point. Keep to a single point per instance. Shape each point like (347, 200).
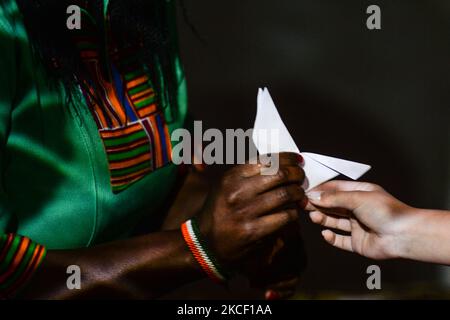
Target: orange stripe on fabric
(97, 109)
(17, 259)
(136, 101)
(117, 180)
(136, 82)
(129, 163)
(168, 142)
(129, 146)
(121, 131)
(129, 182)
(141, 94)
(99, 112)
(38, 254)
(157, 142)
(98, 75)
(147, 110)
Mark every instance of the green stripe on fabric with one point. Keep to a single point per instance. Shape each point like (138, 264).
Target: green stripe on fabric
(146, 102)
(117, 141)
(10, 255)
(21, 268)
(135, 74)
(138, 89)
(122, 187)
(123, 172)
(128, 153)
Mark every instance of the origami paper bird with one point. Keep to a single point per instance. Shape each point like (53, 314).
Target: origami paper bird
(318, 168)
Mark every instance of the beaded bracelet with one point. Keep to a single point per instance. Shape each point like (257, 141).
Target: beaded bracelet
(19, 259)
(199, 249)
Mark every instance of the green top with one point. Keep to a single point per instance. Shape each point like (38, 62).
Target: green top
(54, 183)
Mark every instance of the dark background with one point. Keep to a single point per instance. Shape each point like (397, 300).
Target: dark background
(380, 97)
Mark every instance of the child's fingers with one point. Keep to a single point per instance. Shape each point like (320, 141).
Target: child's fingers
(337, 240)
(349, 200)
(336, 187)
(343, 185)
(342, 224)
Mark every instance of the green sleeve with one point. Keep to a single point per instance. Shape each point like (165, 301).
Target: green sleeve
(7, 92)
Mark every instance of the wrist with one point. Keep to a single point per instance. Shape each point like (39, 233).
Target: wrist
(201, 251)
(408, 235)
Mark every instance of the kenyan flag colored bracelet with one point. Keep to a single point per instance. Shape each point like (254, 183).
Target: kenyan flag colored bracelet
(19, 259)
(204, 257)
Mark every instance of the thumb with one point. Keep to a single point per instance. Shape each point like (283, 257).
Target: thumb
(349, 200)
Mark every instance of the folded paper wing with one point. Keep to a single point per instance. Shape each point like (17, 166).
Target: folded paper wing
(316, 173)
(270, 135)
(267, 123)
(351, 169)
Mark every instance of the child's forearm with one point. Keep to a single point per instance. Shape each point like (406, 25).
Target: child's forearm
(427, 238)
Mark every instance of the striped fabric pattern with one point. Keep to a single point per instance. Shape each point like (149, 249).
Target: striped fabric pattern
(129, 154)
(139, 89)
(123, 102)
(19, 259)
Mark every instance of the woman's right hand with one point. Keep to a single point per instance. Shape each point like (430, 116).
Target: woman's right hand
(246, 207)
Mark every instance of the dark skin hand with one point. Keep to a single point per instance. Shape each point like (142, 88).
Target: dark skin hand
(285, 264)
(240, 212)
(277, 267)
(274, 268)
(256, 206)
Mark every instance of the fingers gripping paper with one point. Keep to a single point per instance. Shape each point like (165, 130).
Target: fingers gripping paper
(318, 168)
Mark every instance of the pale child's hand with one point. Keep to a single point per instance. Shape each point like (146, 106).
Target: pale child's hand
(372, 222)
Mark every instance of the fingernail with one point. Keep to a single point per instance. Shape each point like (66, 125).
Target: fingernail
(314, 195)
(272, 295)
(299, 159)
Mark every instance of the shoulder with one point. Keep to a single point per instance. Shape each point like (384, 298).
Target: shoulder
(9, 13)
(10, 19)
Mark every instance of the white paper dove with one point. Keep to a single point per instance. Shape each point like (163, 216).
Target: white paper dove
(318, 168)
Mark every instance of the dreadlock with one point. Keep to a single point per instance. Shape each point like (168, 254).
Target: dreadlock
(141, 23)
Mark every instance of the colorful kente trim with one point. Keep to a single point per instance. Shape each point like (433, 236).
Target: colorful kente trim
(204, 257)
(19, 259)
(122, 100)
